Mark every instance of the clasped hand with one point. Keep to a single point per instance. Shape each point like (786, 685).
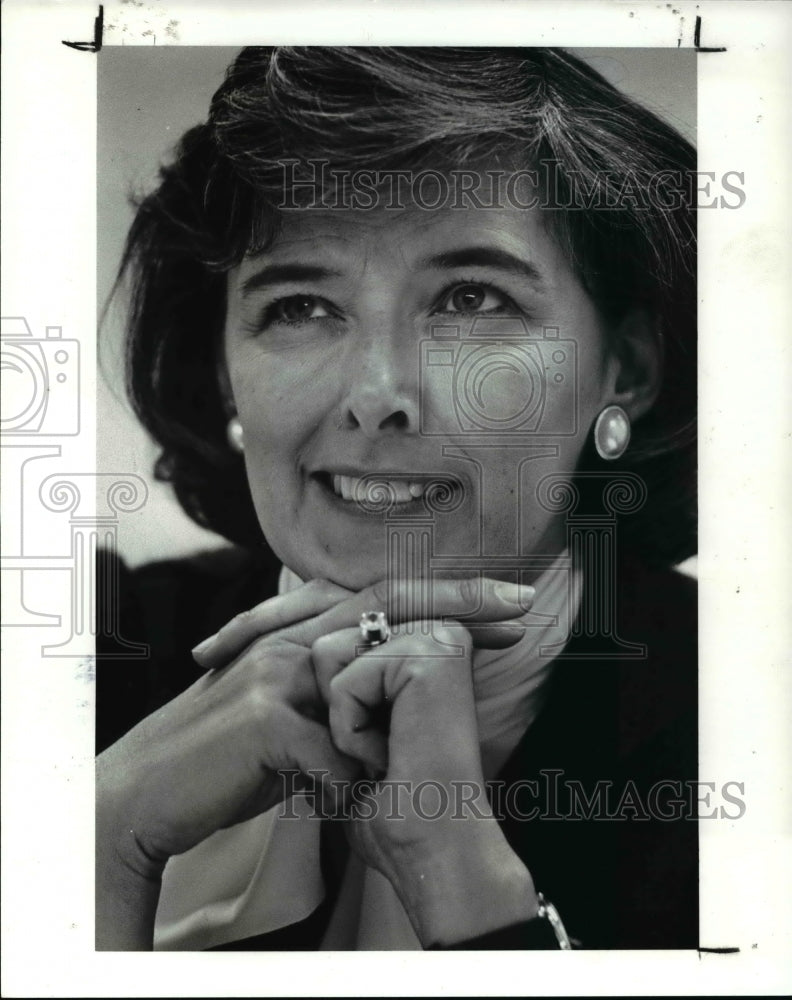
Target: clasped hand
(288, 687)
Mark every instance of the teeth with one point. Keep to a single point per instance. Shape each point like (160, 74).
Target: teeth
(350, 488)
(402, 491)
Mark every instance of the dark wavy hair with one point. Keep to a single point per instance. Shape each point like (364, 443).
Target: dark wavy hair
(417, 108)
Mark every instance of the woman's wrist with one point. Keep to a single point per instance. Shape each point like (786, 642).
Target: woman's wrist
(127, 893)
(126, 906)
(128, 880)
(119, 839)
(471, 885)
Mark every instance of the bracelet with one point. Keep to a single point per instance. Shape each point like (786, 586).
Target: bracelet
(549, 913)
(544, 932)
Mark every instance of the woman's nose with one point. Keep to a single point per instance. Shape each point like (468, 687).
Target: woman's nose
(382, 394)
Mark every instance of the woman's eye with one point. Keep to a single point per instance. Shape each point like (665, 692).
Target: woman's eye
(297, 309)
(471, 298)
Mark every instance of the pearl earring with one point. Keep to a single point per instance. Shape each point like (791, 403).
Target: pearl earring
(236, 435)
(612, 433)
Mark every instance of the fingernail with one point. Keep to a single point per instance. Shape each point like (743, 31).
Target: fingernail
(202, 647)
(513, 593)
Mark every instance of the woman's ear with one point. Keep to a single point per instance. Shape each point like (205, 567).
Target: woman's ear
(235, 434)
(636, 357)
(226, 394)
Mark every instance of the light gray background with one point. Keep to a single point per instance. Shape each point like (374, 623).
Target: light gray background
(147, 97)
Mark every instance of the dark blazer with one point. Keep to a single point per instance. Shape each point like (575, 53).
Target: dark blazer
(596, 798)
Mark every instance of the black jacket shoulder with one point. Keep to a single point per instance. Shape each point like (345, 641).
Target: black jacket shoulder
(167, 607)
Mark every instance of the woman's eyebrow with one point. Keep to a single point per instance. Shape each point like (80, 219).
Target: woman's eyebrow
(485, 257)
(273, 274)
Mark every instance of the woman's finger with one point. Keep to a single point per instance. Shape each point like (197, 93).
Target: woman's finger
(495, 635)
(354, 695)
(471, 601)
(307, 601)
(319, 607)
(331, 653)
(424, 684)
(308, 743)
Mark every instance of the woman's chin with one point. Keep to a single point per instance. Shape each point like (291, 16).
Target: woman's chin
(353, 573)
(355, 577)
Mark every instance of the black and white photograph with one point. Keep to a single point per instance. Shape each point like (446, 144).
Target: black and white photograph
(414, 329)
(393, 588)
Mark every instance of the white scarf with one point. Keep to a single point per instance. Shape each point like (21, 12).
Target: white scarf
(264, 873)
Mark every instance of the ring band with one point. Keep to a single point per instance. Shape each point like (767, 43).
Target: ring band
(374, 628)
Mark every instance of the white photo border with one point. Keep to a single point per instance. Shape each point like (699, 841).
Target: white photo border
(49, 278)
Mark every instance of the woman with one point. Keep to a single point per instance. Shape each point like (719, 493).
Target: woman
(415, 331)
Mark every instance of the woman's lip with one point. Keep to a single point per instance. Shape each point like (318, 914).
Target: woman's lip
(354, 473)
(354, 507)
(426, 478)
(379, 502)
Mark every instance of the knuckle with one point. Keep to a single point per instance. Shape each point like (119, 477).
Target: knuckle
(339, 730)
(260, 704)
(243, 619)
(259, 656)
(321, 588)
(336, 688)
(321, 647)
(451, 633)
(379, 593)
(265, 662)
(418, 669)
(469, 593)
(421, 645)
(343, 740)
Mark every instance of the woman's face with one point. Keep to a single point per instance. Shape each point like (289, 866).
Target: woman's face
(451, 346)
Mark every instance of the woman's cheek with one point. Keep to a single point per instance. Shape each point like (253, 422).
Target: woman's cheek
(278, 393)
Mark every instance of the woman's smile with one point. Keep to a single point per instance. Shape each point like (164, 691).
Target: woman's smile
(381, 492)
(360, 348)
